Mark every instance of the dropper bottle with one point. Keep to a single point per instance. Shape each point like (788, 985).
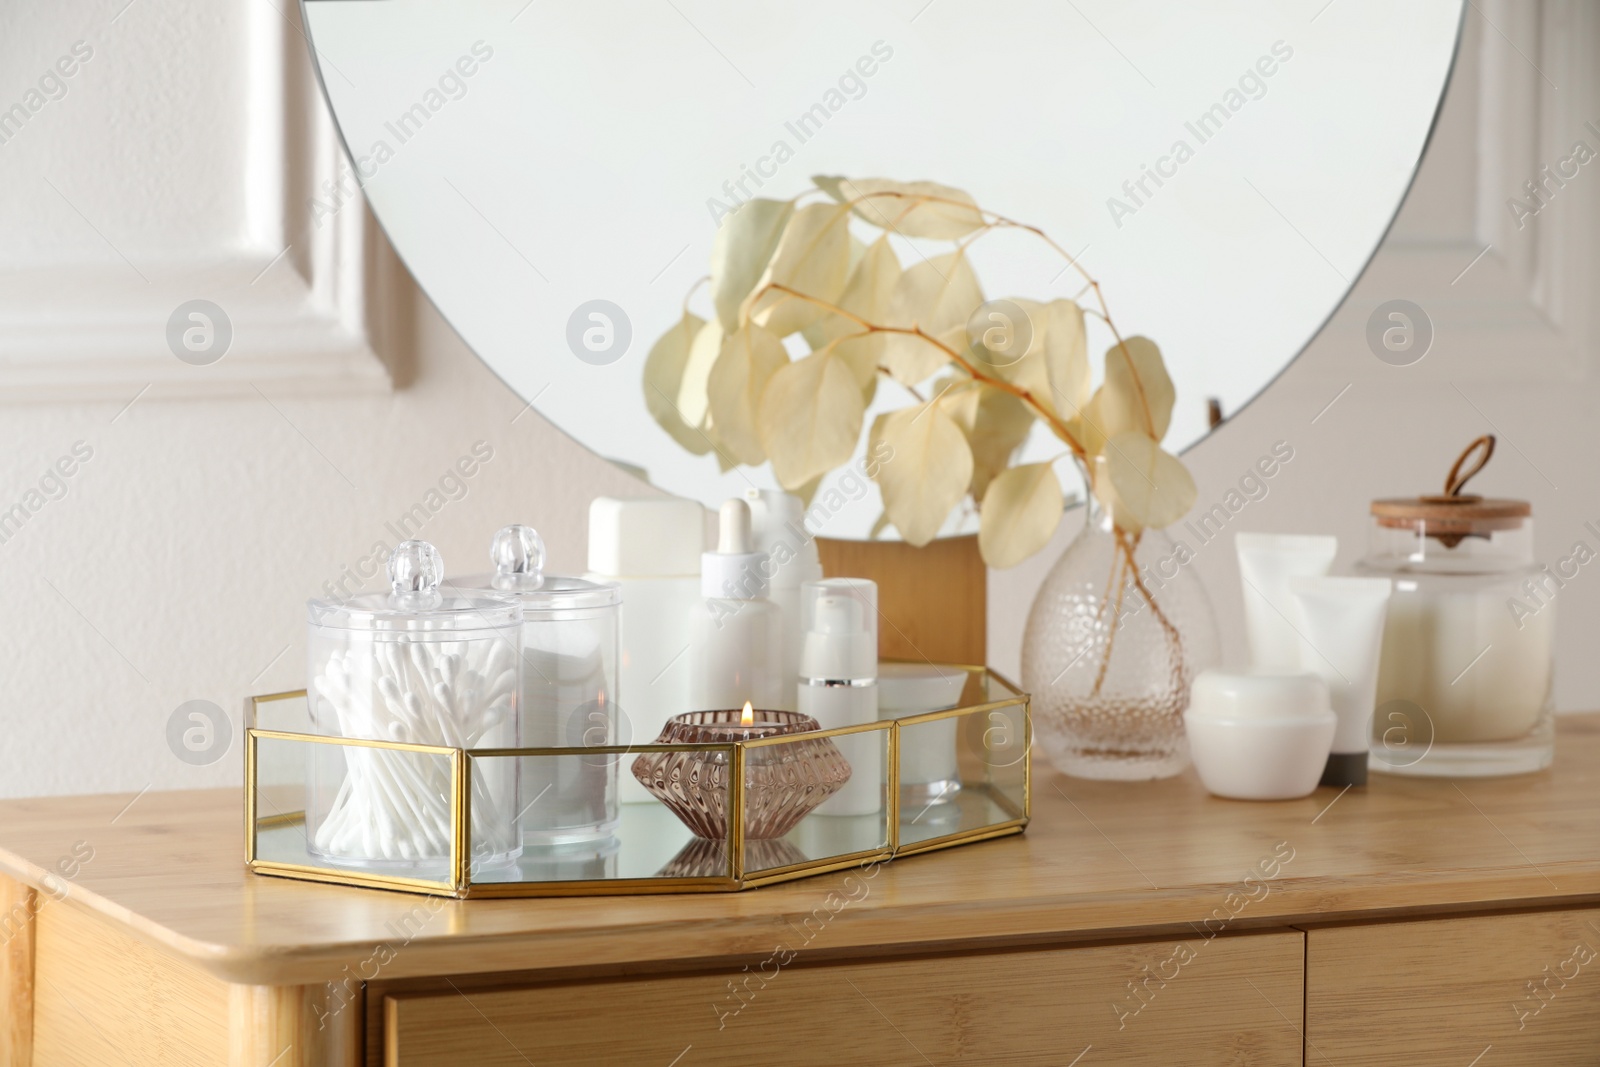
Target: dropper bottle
(735, 632)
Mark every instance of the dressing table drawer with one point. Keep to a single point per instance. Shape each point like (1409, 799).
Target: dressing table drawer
(1445, 990)
(1041, 1007)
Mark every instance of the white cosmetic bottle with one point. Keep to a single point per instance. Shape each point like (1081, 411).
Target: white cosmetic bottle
(839, 687)
(735, 632)
(651, 550)
(777, 520)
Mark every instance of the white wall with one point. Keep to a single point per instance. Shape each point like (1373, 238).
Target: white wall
(195, 508)
(177, 563)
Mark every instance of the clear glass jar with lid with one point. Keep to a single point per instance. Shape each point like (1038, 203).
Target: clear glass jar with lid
(1465, 684)
(417, 667)
(569, 639)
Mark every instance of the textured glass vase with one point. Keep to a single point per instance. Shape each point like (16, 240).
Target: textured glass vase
(1110, 650)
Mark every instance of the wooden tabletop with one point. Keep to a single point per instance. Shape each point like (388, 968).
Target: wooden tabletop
(1101, 860)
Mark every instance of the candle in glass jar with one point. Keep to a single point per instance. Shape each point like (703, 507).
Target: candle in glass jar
(1479, 671)
(1464, 682)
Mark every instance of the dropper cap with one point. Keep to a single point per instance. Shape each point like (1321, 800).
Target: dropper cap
(735, 571)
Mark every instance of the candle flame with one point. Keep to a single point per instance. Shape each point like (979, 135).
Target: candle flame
(747, 717)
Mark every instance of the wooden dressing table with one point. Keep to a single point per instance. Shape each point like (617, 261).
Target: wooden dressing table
(1411, 922)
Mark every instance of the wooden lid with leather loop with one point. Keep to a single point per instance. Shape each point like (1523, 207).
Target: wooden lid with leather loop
(1453, 515)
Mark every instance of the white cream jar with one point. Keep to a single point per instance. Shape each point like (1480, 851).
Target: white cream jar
(1255, 735)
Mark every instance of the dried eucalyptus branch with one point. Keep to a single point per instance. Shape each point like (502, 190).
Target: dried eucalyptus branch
(781, 268)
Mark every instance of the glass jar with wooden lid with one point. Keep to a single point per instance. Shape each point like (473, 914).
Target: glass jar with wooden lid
(1466, 678)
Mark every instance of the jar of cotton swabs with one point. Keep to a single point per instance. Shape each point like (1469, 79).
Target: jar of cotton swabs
(412, 667)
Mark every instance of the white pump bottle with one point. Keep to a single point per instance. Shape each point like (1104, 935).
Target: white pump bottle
(838, 686)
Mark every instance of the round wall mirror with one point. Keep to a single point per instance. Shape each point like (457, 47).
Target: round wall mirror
(556, 176)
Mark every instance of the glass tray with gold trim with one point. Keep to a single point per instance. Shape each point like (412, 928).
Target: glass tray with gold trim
(297, 780)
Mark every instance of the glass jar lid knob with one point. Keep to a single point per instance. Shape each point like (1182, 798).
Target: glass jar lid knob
(518, 555)
(415, 571)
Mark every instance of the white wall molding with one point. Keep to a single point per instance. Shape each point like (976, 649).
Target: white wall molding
(1522, 94)
(300, 295)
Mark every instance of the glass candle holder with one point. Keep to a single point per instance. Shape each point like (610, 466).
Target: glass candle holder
(783, 783)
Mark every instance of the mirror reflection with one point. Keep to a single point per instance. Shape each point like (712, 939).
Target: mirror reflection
(562, 178)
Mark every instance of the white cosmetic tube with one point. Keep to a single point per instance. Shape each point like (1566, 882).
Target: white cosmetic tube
(1342, 620)
(1267, 562)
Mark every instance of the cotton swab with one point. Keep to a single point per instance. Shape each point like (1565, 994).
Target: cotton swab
(394, 805)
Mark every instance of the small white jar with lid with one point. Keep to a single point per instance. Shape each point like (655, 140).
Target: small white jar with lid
(1257, 735)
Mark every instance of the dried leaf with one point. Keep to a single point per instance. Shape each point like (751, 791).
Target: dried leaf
(1138, 394)
(927, 472)
(1066, 356)
(995, 422)
(1055, 368)
(741, 251)
(811, 418)
(812, 257)
(1000, 332)
(855, 352)
(725, 460)
(867, 294)
(1089, 428)
(747, 362)
(1152, 487)
(693, 400)
(808, 491)
(872, 285)
(828, 327)
(911, 209)
(663, 377)
(938, 295)
(1020, 514)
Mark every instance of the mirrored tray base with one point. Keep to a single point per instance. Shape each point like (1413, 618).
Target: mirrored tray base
(296, 778)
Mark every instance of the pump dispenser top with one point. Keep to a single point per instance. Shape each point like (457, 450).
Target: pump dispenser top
(838, 647)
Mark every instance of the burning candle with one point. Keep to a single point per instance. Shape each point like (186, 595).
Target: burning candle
(783, 783)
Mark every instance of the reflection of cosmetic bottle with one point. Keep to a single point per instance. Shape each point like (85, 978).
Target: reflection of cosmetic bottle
(651, 549)
(839, 687)
(777, 520)
(735, 632)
